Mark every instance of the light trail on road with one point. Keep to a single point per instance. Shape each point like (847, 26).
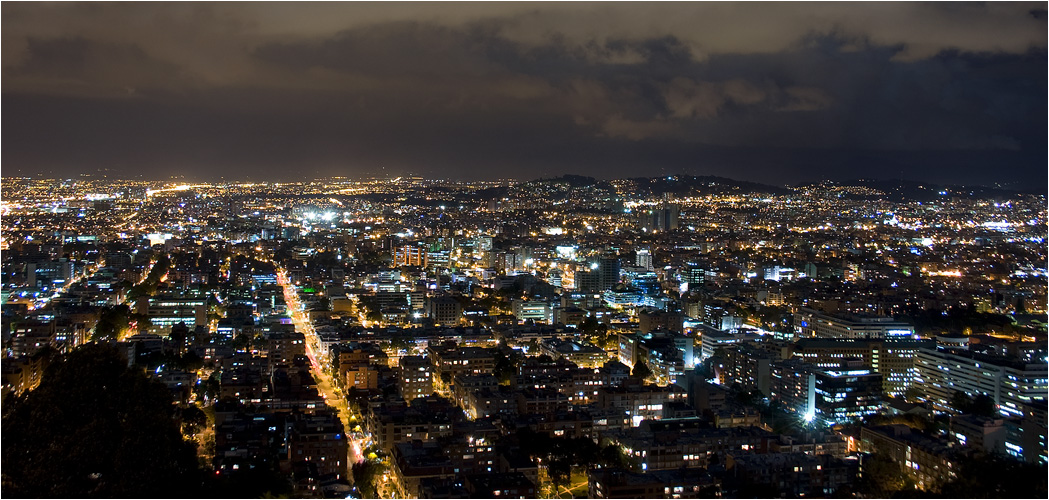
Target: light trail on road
(324, 381)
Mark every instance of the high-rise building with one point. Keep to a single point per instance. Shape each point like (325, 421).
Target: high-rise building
(747, 366)
(414, 378)
(410, 255)
(644, 259)
(444, 310)
(608, 269)
(588, 281)
(693, 275)
(659, 219)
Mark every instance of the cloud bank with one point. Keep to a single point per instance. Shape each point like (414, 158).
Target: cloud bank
(774, 92)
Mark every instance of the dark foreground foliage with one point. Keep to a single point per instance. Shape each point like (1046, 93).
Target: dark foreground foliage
(96, 428)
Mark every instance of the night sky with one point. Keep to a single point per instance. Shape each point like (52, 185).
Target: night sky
(779, 93)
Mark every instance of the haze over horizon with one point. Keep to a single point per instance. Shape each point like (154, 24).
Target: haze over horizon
(996, 188)
(778, 93)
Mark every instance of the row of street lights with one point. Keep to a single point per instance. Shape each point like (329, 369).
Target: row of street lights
(328, 389)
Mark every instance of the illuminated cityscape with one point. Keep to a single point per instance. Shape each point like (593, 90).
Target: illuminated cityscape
(418, 328)
(217, 282)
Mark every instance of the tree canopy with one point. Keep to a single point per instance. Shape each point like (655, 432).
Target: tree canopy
(96, 428)
(982, 405)
(997, 476)
(113, 321)
(561, 453)
(641, 370)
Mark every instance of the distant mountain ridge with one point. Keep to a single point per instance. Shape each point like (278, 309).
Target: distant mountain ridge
(890, 189)
(907, 190)
(673, 184)
(704, 184)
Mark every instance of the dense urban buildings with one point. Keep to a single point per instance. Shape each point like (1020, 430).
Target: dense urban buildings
(665, 338)
(524, 250)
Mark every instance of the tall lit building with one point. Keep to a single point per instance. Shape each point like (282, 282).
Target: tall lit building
(608, 270)
(410, 255)
(659, 219)
(644, 259)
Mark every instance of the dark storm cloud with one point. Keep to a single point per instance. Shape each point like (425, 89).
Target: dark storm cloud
(774, 92)
(85, 67)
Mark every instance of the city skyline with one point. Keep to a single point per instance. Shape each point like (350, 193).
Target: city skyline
(780, 93)
(561, 338)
